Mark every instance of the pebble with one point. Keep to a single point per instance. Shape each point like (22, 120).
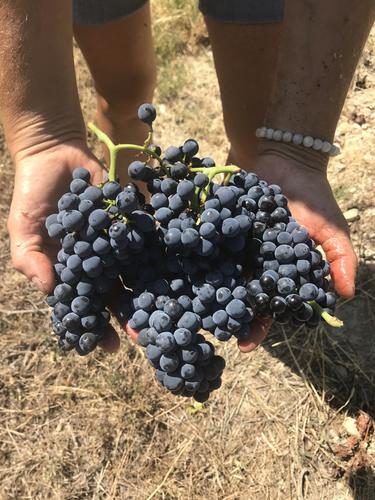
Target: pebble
(350, 426)
(352, 214)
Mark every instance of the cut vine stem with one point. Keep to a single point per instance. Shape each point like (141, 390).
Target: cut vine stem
(115, 148)
(328, 318)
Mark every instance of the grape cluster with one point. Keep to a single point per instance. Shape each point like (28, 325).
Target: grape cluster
(98, 229)
(204, 254)
(185, 362)
(289, 273)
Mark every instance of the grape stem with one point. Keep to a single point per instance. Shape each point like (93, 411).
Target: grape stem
(148, 139)
(227, 179)
(115, 148)
(211, 172)
(330, 320)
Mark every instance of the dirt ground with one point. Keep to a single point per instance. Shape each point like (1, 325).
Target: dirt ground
(293, 420)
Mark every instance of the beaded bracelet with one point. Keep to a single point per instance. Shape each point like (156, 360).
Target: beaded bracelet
(298, 140)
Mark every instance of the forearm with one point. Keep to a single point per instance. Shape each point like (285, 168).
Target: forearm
(321, 44)
(38, 93)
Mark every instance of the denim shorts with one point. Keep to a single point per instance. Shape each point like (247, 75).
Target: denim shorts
(229, 11)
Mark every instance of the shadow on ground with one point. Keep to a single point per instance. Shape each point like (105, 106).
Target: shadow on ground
(339, 363)
(362, 483)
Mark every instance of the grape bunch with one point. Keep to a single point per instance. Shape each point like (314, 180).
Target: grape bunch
(289, 276)
(212, 249)
(98, 227)
(185, 362)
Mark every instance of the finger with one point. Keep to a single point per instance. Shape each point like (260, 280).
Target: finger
(97, 174)
(258, 332)
(37, 267)
(133, 334)
(111, 341)
(343, 261)
(118, 301)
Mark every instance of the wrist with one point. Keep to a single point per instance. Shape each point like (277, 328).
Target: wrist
(32, 133)
(298, 155)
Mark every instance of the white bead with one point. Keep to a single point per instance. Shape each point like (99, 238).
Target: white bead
(269, 133)
(326, 147)
(297, 139)
(262, 132)
(335, 150)
(277, 135)
(308, 141)
(318, 143)
(287, 136)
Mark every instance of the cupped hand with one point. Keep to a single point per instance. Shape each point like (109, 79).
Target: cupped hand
(313, 205)
(40, 180)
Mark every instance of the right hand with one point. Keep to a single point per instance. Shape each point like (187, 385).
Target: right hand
(41, 179)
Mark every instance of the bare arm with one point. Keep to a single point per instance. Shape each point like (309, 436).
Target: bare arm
(320, 47)
(43, 124)
(38, 93)
(321, 44)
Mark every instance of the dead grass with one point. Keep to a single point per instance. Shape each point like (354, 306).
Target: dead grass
(178, 28)
(99, 428)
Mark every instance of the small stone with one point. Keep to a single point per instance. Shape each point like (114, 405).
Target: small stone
(352, 215)
(350, 426)
(369, 157)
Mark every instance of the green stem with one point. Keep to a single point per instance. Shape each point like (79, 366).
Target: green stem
(115, 148)
(195, 200)
(200, 195)
(148, 140)
(212, 171)
(227, 179)
(330, 320)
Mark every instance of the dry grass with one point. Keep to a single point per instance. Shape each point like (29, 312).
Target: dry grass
(73, 428)
(178, 30)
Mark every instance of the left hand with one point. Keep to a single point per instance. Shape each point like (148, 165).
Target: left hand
(313, 205)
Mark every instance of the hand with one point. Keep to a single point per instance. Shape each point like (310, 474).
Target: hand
(41, 179)
(313, 205)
